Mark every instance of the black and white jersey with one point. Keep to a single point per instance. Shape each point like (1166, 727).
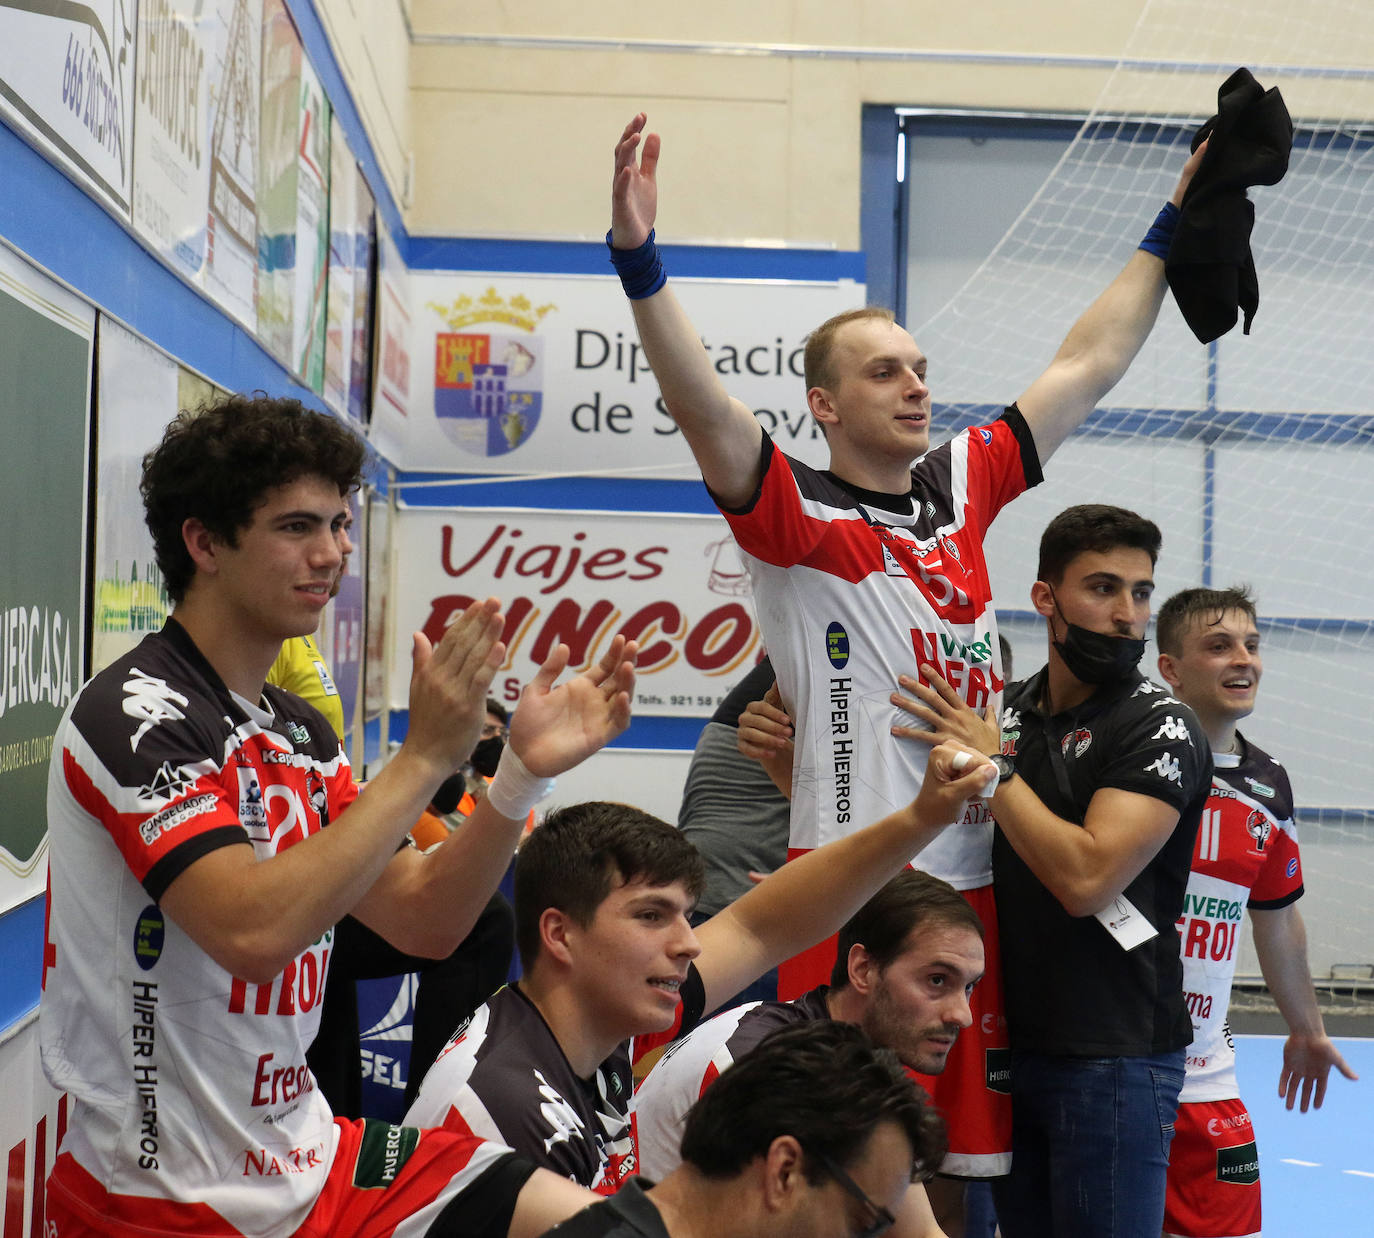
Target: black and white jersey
(504, 1077)
(193, 1094)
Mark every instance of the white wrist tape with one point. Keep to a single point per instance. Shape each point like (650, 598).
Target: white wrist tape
(961, 762)
(514, 790)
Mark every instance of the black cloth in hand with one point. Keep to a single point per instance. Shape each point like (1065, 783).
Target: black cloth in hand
(1210, 267)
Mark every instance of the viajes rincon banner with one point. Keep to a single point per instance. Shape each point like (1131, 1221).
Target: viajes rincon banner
(673, 583)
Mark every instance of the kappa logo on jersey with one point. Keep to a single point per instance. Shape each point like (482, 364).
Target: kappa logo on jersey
(1081, 739)
(1260, 788)
(1011, 719)
(1259, 827)
(152, 701)
(837, 643)
(561, 1116)
(1173, 728)
(166, 784)
(1166, 767)
(1145, 688)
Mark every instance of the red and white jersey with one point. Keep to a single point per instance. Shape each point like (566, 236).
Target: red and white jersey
(853, 588)
(688, 1067)
(1246, 855)
(194, 1107)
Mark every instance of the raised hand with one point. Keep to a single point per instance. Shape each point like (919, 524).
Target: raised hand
(1186, 176)
(765, 730)
(945, 713)
(449, 683)
(945, 790)
(556, 727)
(634, 191)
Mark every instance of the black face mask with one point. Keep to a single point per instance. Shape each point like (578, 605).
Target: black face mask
(487, 755)
(1095, 657)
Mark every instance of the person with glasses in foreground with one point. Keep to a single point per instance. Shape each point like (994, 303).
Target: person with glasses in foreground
(814, 1132)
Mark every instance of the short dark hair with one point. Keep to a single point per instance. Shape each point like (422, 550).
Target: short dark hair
(495, 707)
(1207, 605)
(1098, 527)
(824, 1083)
(817, 359)
(578, 854)
(218, 462)
(883, 925)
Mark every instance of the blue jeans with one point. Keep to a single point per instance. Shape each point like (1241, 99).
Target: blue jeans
(1090, 1146)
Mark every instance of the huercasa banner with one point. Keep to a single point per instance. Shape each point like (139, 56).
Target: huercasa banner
(530, 373)
(45, 355)
(673, 583)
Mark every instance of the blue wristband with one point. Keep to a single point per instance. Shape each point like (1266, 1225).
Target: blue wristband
(640, 270)
(1161, 234)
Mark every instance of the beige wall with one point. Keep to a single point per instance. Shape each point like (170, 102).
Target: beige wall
(756, 148)
(516, 141)
(372, 46)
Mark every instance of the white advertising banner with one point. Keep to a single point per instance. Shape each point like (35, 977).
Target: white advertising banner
(139, 388)
(231, 270)
(178, 42)
(343, 211)
(32, 1120)
(393, 376)
(312, 231)
(66, 80)
(534, 374)
(674, 583)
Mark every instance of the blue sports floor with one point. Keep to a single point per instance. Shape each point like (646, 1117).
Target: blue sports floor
(1317, 1167)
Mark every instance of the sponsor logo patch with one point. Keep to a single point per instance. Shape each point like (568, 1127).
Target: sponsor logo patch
(998, 1063)
(1260, 788)
(1239, 1165)
(382, 1154)
(1258, 826)
(166, 784)
(837, 646)
(252, 811)
(169, 818)
(1081, 739)
(149, 933)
